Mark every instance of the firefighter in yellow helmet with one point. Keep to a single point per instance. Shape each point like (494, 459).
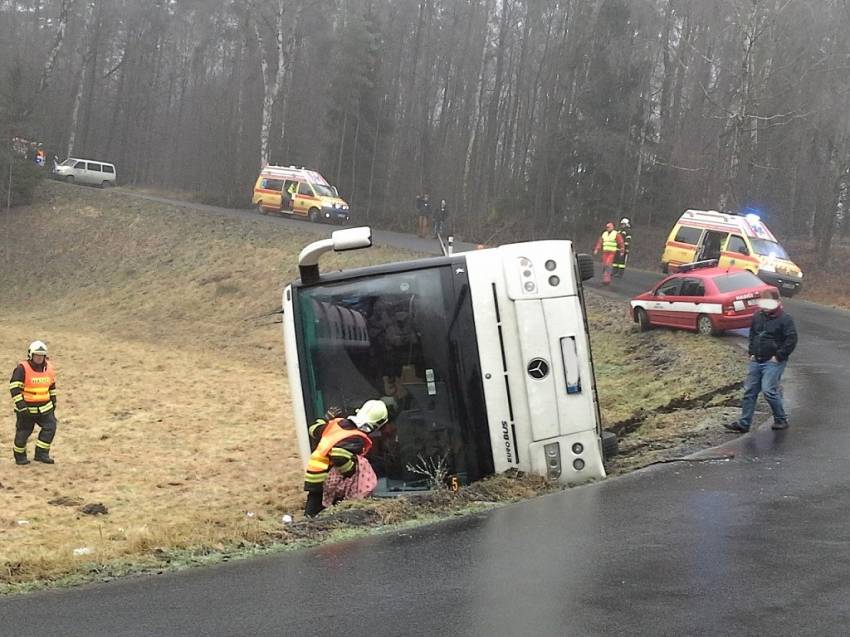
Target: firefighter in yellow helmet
(341, 444)
(33, 389)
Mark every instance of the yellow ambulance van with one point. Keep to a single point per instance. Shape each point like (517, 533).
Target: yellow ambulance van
(733, 240)
(299, 192)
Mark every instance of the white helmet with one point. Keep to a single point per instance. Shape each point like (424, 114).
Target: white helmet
(625, 222)
(371, 416)
(36, 347)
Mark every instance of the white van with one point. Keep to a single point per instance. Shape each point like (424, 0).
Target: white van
(86, 171)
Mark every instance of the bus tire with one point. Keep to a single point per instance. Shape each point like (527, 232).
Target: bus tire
(313, 215)
(585, 266)
(642, 319)
(610, 446)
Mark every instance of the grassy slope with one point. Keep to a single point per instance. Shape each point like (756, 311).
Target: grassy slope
(144, 308)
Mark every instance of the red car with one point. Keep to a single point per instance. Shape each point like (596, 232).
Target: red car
(708, 300)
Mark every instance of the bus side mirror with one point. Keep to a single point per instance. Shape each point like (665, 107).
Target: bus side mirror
(352, 239)
(340, 241)
(585, 266)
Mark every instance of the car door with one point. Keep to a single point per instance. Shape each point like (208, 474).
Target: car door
(93, 173)
(304, 199)
(683, 246)
(736, 254)
(661, 308)
(711, 245)
(734, 250)
(288, 195)
(691, 303)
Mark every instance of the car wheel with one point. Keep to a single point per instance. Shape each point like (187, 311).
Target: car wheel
(705, 326)
(313, 215)
(69, 179)
(610, 446)
(105, 184)
(642, 319)
(260, 208)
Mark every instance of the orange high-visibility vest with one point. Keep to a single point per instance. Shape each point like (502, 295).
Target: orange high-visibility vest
(333, 434)
(37, 384)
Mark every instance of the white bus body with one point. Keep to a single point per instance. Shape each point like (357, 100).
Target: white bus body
(483, 355)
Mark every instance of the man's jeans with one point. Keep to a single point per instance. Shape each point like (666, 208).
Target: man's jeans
(765, 378)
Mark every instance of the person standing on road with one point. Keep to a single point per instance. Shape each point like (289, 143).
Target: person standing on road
(773, 336)
(610, 243)
(425, 216)
(342, 444)
(33, 389)
(440, 218)
(622, 258)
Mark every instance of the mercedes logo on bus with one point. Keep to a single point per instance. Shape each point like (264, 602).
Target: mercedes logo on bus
(538, 369)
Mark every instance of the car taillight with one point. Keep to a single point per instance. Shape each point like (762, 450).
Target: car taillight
(728, 309)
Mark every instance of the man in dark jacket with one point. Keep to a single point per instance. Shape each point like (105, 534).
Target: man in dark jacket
(773, 337)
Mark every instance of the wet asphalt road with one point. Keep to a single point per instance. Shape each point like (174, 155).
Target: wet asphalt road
(755, 545)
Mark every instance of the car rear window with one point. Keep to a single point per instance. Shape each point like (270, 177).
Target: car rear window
(736, 281)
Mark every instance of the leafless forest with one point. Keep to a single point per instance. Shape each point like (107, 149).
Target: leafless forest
(532, 118)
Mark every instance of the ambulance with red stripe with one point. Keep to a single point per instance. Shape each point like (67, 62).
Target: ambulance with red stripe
(299, 192)
(733, 240)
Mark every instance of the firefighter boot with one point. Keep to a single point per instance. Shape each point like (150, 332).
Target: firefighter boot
(314, 504)
(42, 452)
(20, 455)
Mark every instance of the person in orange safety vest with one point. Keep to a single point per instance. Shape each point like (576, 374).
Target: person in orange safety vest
(342, 443)
(611, 243)
(33, 389)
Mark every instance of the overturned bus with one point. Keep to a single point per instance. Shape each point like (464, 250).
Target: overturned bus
(483, 357)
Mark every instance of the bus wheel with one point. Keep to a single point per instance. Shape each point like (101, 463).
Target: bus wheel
(705, 326)
(642, 319)
(260, 208)
(610, 446)
(313, 215)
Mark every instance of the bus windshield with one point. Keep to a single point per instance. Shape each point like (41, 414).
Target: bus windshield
(767, 248)
(402, 337)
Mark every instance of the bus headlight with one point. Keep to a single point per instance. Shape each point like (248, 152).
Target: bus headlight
(552, 452)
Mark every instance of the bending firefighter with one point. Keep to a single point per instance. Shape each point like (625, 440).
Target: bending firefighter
(622, 258)
(33, 388)
(342, 445)
(610, 243)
